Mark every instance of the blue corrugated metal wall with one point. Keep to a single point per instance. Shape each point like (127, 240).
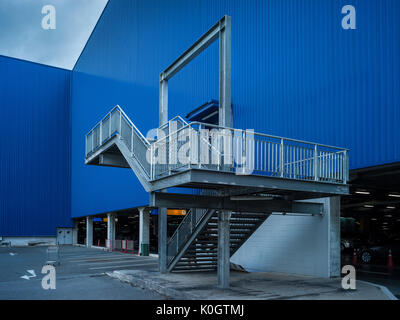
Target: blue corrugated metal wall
(295, 73)
(34, 148)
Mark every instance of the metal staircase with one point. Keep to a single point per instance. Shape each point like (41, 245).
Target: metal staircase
(203, 156)
(231, 167)
(200, 252)
(232, 164)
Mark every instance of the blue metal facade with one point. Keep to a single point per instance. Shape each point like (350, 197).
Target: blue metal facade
(34, 149)
(295, 72)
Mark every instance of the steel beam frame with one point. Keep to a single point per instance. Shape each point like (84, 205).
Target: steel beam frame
(222, 30)
(178, 200)
(211, 179)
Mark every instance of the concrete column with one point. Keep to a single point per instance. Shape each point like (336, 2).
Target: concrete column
(332, 207)
(89, 232)
(110, 230)
(162, 240)
(223, 248)
(144, 231)
(75, 233)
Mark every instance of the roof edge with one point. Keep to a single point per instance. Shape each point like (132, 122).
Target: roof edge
(91, 34)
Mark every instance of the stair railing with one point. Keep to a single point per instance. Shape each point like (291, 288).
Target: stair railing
(248, 152)
(218, 148)
(117, 122)
(183, 232)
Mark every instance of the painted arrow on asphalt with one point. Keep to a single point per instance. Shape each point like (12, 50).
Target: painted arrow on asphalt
(32, 272)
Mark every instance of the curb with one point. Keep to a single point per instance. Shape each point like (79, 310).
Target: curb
(384, 290)
(141, 282)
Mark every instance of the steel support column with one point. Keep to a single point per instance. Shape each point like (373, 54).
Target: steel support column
(89, 231)
(332, 205)
(162, 240)
(110, 230)
(223, 248)
(225, 105)
(144, 231)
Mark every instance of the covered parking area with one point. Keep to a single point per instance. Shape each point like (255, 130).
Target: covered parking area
(371, 216)
(131, 230)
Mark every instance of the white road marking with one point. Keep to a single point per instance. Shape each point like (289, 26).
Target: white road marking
(124, 266)
(86, 255)
(32, 272)
(114, 261)
(33, 275)
(106, 258)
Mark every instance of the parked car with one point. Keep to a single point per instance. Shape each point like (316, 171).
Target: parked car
(379, 253)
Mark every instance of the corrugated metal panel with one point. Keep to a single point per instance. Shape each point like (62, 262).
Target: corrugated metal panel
(295, 72)
(34, 148)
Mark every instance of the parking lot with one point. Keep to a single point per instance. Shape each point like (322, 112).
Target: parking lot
(80, 274)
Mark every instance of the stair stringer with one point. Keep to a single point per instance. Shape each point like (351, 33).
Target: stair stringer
(131, 161)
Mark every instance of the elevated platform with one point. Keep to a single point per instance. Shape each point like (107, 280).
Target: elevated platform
(245, 163)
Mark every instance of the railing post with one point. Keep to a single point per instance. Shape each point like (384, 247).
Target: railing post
(101, 132)
(132, 140)
(346, 168)
(191, 218)
(190, 147)
(151, 161)
(110, 125)
(282, 158)
(177, 240)
(120, 124)
(316, 163)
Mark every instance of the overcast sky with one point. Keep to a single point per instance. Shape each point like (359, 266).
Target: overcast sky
(22, 35)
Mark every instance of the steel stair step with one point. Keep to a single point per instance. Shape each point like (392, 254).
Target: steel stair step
(199, 257)
(195, 267)
(196, 262)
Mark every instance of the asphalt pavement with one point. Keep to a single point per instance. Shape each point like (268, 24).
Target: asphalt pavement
(79, 276)
(377, 273)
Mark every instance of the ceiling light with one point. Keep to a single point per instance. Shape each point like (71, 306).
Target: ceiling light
(363, 192)
(368, 206)
(390, 207)
(394, 195)
(388, 215)
(374, 219)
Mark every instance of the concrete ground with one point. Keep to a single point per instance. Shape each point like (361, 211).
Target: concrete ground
(254, 286)
(80, 275)
(83, 274)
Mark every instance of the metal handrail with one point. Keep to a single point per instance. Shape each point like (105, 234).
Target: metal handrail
(173, 119)
(294, 159)
(126, 118)
(266, 154)
(180, 235)
(256, 133)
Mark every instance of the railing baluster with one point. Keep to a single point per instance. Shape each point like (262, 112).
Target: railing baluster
(316, 163)
(270, 155)
(120, 124)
